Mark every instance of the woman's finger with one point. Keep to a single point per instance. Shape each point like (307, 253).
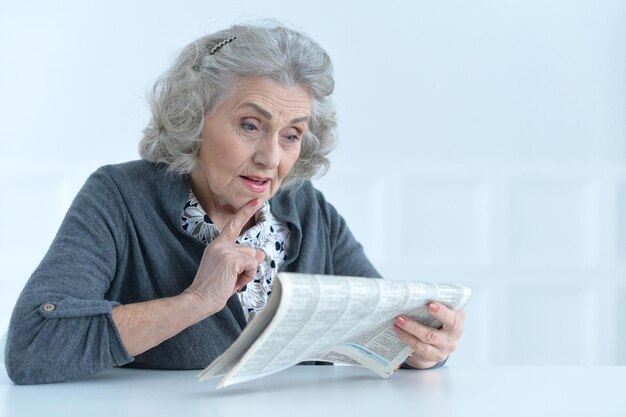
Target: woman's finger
(231, 230)
(447, 316)
(425, 352)
(419, 331)
(249, 266)
(245, 250)
(441, 339)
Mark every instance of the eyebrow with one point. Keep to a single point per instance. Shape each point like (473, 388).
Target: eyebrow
(268, 115)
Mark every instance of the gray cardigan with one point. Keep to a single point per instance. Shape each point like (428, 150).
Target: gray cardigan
(122, 242)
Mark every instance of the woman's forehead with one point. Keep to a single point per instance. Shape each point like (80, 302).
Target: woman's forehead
(269, 98)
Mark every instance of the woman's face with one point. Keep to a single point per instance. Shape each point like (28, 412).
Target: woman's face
(249, 144)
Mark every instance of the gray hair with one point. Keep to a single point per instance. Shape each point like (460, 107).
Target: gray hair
(198, 81)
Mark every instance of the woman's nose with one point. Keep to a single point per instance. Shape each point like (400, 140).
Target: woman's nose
(267, 152)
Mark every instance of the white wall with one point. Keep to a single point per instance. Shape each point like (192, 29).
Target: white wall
(481, 142)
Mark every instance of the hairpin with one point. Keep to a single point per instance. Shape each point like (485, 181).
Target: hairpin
(221, 43)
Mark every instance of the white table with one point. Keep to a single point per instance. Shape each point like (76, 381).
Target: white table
(331, 391)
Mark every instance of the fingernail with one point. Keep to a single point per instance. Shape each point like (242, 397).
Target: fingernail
(433, 307)
(400, 321)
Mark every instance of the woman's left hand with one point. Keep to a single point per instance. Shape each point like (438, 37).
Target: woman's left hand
(431, 346)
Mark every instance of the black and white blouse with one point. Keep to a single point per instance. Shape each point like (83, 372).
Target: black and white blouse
(268, 234)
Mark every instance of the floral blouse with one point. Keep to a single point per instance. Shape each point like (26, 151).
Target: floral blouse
(268, 234)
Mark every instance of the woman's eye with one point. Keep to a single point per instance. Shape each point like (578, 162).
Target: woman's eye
(249, 127)
(292, 135)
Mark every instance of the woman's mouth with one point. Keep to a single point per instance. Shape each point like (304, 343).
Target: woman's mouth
(256, 184)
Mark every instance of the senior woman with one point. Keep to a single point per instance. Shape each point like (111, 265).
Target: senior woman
(161, 262)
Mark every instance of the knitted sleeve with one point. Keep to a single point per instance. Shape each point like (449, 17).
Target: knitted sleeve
(61, 327)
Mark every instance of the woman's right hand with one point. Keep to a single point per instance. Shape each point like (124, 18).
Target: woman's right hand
(226, 266)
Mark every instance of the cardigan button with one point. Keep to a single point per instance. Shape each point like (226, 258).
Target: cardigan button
(49, 307)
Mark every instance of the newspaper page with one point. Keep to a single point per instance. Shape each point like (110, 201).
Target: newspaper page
(335, 319)
(375, 344)
(226, 361)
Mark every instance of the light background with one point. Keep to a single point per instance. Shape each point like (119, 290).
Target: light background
(481, 142)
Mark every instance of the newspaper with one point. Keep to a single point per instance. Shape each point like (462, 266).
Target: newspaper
(345, 320)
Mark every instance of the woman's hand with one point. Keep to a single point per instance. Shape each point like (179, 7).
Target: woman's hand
(226, 266)
(431, 346)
